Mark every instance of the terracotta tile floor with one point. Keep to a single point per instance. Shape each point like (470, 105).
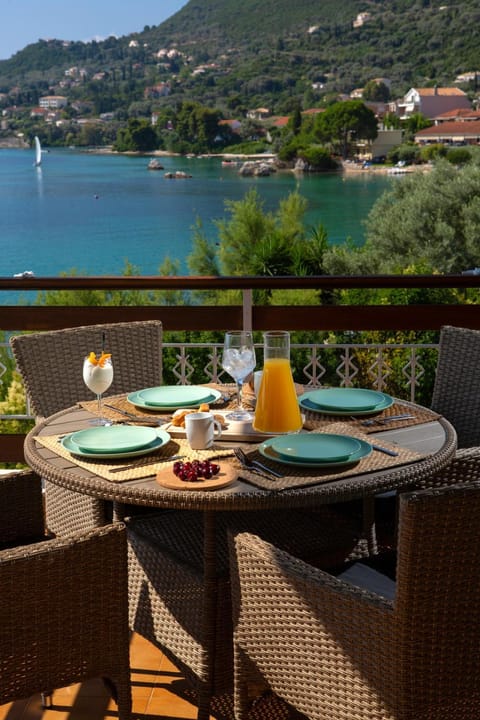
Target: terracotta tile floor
(152, 676)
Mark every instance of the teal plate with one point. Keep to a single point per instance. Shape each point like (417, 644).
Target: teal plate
(168, 395)
(135, 399)
(319, 447)
(268, 452)
(309, 401)
(162, 438)
(113, 438)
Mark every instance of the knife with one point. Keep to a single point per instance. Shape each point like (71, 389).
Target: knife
(379, 448)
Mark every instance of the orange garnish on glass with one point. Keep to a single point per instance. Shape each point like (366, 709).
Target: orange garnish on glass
(92, 358)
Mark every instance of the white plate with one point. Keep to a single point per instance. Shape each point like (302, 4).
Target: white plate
(315, 447)
(135, 399)
(113, 438)
(307, 402)
(162, 438)
(268, 452)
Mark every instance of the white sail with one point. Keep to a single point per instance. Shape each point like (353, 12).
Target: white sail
(38, 151)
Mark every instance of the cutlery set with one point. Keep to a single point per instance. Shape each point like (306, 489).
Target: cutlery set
(256, 466)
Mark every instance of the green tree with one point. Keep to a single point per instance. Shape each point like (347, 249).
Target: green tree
(431, 218)
(197, 125)
(414, 123)
(344, 122)
(138, 136)
(254, 242)
(376, 91)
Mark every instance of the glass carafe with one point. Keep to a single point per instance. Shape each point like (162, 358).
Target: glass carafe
(277, 409)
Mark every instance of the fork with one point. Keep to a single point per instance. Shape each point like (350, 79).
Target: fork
(254, 464)
(384, 421)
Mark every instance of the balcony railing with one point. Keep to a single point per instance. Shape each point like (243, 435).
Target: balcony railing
(352, 362)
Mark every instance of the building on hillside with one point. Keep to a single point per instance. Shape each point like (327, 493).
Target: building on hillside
(431, 101)
(454, 132)
(234, 124)
(385, 141)
(38, 112)
(53, 101)
(466, 77)
(162, 89)
(258, 114)
(361, 19)
(356, 94)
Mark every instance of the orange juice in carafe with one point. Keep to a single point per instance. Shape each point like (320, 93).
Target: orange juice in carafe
(277, 409)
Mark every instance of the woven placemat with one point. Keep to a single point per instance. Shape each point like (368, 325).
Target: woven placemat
(296, 476)
(314, 420)
(124, 469)
(149, 417)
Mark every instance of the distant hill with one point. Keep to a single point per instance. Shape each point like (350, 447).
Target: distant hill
(268, 52)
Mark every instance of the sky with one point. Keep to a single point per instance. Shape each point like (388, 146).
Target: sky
(25, 21)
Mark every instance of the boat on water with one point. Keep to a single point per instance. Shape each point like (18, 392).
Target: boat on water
(155, 165)
(38, 152)
(25, 274)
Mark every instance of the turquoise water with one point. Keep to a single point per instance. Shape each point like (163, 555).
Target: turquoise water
(92, 212)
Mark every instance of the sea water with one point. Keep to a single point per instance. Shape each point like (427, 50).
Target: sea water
(92, 213)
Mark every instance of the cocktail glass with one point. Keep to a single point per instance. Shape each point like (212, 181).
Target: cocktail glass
(98, 376)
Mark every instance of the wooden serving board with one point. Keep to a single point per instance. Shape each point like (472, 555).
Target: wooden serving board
(227, 475)
(243, 432)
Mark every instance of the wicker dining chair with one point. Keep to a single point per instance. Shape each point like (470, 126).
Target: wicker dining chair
(50, 364)
(456, 396)
(357, 643)
(456, 391)
(63, 612)
(180, 584)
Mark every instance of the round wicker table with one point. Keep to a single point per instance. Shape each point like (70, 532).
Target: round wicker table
(434, 441)
(424, 448)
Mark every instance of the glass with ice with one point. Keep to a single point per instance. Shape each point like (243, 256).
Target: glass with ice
(238, 360)
(98, 376)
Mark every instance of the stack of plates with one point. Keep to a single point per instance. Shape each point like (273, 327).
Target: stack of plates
(315, 449)
(115, 441)
(172, 397)
(345, 401)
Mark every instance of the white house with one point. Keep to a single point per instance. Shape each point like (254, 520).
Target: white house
(431, 101)
(53, 101)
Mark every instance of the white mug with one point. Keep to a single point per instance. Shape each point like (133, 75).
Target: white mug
(257, 379)
(202, 429)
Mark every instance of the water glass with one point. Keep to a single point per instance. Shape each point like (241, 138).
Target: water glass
(238, 360)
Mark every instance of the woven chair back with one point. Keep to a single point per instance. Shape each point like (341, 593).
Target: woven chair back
(456, 392)
(50, 363)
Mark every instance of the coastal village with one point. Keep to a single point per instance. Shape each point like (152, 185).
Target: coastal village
(454, 117)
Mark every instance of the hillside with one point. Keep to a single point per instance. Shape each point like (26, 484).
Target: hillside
(267, 52)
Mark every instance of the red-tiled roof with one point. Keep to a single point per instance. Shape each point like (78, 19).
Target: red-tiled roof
(426, 92)
(281, 121)
(452, 128)
(459, 113)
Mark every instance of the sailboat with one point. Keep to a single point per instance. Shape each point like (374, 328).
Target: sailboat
(38, 152)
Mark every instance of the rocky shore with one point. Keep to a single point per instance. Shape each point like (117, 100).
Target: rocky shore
(13, 143)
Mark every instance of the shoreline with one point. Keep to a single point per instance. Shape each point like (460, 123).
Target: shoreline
(348, 167)
(345, 166)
